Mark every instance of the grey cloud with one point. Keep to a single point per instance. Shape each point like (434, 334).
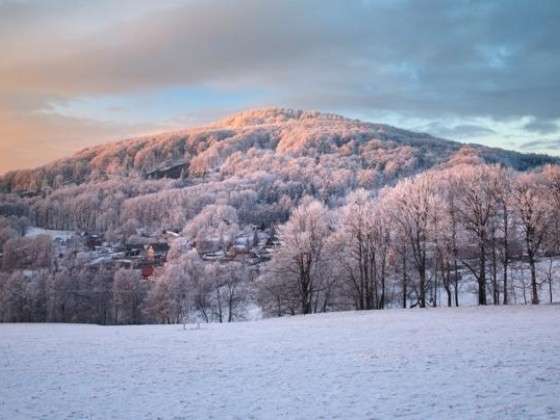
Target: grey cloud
(497, 59)
(435, 59)
(541, 126)
(461, 131)
(541, 145)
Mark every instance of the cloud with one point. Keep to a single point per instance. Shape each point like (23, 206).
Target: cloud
(454, 57)
(541, 126)
(461, 131)
(31, 140)
(551, 144)
(434, 59)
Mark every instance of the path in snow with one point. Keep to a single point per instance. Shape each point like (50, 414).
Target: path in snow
(491, 362)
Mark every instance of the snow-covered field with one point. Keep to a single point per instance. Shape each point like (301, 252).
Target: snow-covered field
(493, 362)
(33, 231)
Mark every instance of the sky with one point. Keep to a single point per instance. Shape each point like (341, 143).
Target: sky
(76, 73)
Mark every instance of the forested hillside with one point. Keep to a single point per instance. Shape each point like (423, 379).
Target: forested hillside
(278, 211)
(372, 152)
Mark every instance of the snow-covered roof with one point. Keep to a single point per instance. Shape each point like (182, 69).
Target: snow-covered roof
(33, 231)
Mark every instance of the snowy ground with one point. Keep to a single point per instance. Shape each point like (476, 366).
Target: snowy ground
(33, 231)
(492, 362)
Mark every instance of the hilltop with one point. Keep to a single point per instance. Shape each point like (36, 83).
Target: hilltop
(250, 140)
(278, 211)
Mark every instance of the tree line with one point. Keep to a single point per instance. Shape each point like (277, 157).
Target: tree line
(424, 234)
(424, 241)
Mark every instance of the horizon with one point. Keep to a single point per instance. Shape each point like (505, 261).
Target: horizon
(76, 75)
(207, 124)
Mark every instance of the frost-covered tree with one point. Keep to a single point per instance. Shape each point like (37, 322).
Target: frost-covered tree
(363, 229)
(233, 287)
(533, 212)
(216, 225)
(413, 204)
(129, 291)
(27, 252)
(301, 253)
(359, 252)
(477, 192)
(449, 233)
(505, 220)
(551, 179)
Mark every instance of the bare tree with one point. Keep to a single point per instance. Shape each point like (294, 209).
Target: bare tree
(533, 212)
(129, 290)
(359, 255)
(302, 240)
(412, 204)
(477, 207)
(504, 221)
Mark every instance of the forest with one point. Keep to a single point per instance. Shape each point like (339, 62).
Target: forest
(359, 216)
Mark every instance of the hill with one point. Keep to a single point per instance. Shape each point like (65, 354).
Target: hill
(250, 141)
(286, 211)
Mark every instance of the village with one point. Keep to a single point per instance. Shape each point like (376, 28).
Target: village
(148, 252)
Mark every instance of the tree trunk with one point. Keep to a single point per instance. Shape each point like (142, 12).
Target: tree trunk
(456, 279)
(506, 258)
(550, 289)
(422, 301)
(534, 294)
(230, 307)
(435, 288)
(404, 282)
(446, 274)
(505, 281)
(219, 301)
(382, 300)
(495, 290)
(305, 286)
(482, 276)
(550, 280)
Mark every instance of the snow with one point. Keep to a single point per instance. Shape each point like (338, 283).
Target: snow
(474, 362)
(54, 234)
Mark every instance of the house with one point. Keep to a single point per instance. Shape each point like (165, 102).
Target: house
(147, 250)
(134, 249)
(157, 251)
(92, 240)
(147, 271)
(168, 169)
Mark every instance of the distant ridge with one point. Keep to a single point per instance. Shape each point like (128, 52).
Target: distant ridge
(286, 133)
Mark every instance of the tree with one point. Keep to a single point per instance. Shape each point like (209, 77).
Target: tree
(181, 289)
(300, 255)
(23, 296)
(533, 212)
(216, 225)
(274, 296)
(551, 175)
(156, 305)
(412, 205)
(25, 253)
(129, 291)
(7, 231)
(234, 279)
(401, 249)
(477, 192)
(505, 219)
(357, 231)
(448, 243)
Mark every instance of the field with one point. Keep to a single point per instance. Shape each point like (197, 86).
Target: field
(492, 362)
